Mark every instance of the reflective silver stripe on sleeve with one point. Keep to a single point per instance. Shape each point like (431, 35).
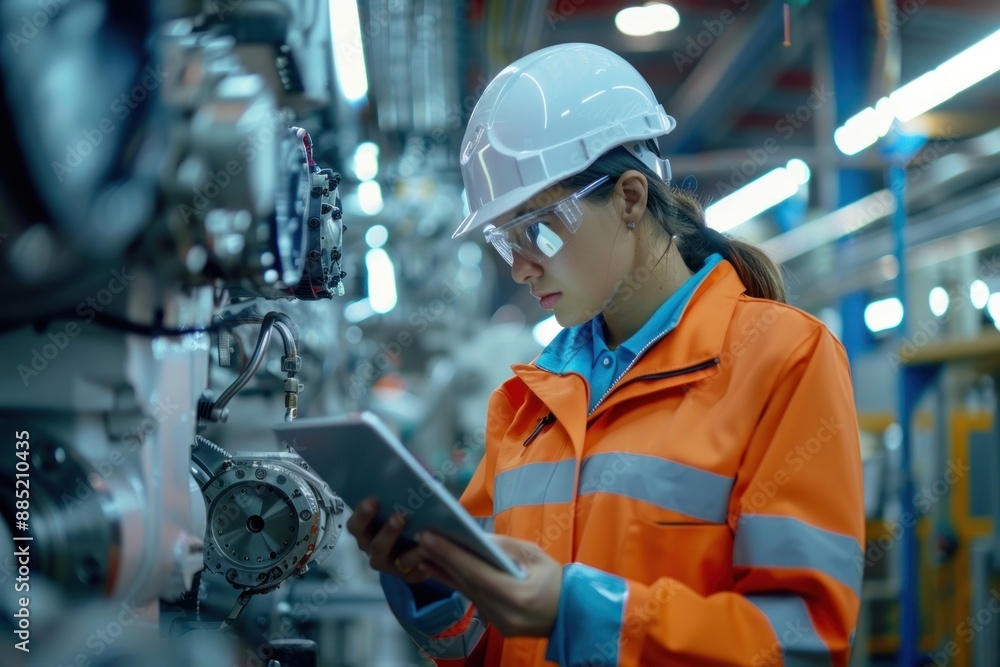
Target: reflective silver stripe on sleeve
(534, 484)
(667, 484)
(453, 648)
(485, 522)
(792, 625)
(781, 541)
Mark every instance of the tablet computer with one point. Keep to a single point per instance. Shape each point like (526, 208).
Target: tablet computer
(360, 457)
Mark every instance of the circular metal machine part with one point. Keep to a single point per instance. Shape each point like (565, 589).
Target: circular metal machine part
(266, 520)
(75, 522)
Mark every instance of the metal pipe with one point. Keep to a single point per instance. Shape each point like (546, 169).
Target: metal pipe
(286, 328)
(219, 412)
(290, 364)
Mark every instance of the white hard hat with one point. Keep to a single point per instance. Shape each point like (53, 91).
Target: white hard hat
(549, 116)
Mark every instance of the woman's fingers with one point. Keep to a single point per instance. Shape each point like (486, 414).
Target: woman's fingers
(409, 562)
(360, 523)
(381, 553)
(381, 543)
(525, 553)
(430, 569)
(463, 570)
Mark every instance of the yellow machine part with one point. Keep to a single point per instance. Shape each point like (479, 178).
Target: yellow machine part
(945, 590)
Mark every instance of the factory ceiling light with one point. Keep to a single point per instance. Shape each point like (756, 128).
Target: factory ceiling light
(922, 94)
(939, 301)
(370, 197)
(993, 308)
(979, 294)
(883, 315)
(376, 236)
(757, 196)
(366, 161)
(348, 49)
(381, 280)
(651, 18)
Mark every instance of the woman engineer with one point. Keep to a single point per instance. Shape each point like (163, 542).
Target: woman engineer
(678, 471)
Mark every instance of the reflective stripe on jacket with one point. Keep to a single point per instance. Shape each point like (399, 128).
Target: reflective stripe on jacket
(709, 510)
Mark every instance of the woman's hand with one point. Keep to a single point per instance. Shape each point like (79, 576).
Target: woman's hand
(516, 607)
(380, 543)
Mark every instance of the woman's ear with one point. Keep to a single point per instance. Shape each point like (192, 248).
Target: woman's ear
(631, 193)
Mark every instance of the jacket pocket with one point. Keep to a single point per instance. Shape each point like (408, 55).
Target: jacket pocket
(698, 555)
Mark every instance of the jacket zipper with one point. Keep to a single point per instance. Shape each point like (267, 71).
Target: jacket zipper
(549, 418)
(690, 369)
(655, 376)
(542, 423)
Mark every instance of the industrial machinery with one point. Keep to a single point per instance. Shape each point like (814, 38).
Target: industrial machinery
(162, 215)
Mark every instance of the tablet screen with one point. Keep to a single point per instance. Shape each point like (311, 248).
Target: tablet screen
(360, 457)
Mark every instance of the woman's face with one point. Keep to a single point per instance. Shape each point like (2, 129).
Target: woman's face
(587, 272)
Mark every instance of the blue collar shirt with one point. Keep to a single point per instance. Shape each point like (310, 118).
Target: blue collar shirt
(602, 366)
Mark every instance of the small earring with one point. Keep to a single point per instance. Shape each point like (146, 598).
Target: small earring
(630, 225)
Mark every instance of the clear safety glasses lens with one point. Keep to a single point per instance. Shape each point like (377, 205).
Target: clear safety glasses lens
(539, 235)
(538, 239)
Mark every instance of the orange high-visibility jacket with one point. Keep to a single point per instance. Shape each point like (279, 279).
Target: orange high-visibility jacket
(709, 509)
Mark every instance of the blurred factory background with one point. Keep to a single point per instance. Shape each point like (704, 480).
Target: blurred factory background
(161, 226)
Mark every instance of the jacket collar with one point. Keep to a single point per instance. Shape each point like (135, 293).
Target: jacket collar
(699, 337)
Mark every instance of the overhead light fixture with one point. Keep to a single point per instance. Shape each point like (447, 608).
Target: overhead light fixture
(381, 280)
(979, 294)
(651, 18)
(348, 49)
(889, 266)
(358, 311)
(546, 330)
(370, 197)
(884, 314)
(376, 236)
(920, 95)
(757, 196)
(366, 161)
(993, 308)
(864, 128)
(939, 301)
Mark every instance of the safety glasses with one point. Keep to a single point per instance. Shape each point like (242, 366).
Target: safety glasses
(539, 235)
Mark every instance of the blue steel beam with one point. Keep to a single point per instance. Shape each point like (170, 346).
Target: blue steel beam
(742, 55)
(909, 395)
(899, 150)
(849, 25)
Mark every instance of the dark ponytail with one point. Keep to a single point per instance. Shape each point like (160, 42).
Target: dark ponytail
(680, 214)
